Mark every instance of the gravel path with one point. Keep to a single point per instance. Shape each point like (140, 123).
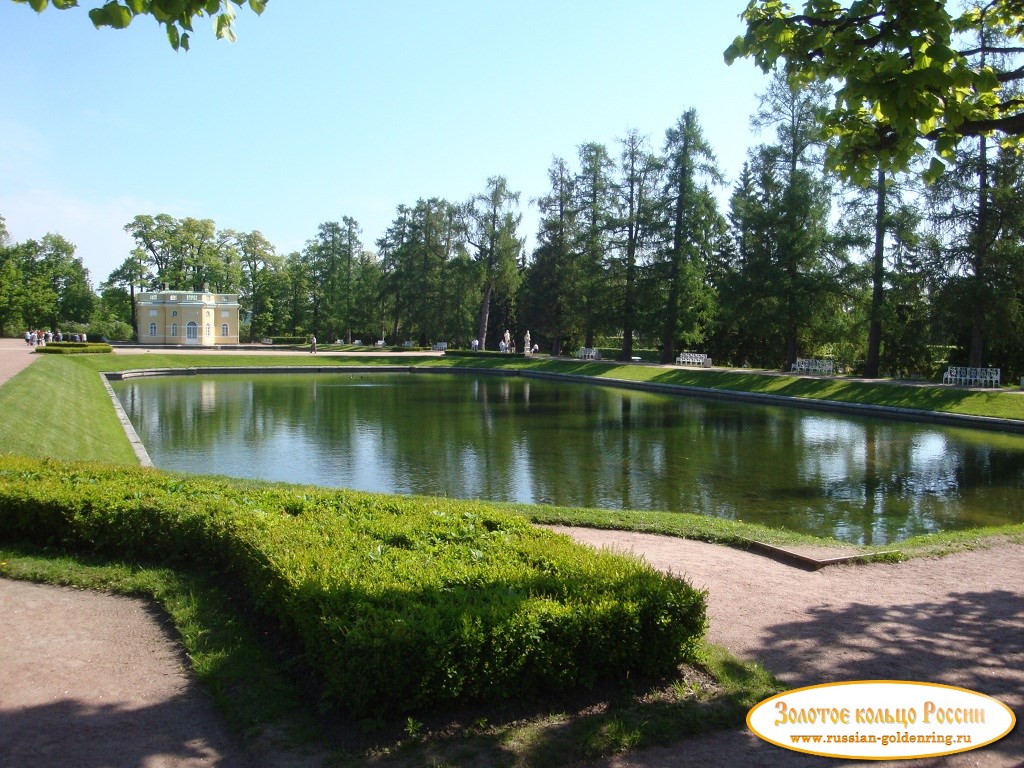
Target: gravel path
(98, 681)
(957, 620)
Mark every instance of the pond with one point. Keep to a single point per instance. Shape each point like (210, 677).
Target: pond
(866, 481)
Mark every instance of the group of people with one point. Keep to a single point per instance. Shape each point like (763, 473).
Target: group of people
(42, 338)
(506, 344)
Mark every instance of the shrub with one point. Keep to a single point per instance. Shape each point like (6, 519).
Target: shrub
(74, 348)
(396, 603)
(287, 339)
(483, 353)
(645, 355)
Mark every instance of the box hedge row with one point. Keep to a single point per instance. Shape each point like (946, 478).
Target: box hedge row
(398, 603)
(74, 348)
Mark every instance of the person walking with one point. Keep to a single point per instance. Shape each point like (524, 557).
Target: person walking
(312, 345)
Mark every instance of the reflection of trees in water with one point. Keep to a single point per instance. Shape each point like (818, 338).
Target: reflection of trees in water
(516, 439)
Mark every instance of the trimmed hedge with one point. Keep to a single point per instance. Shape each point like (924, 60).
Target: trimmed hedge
(397, 603)
(484, 353)
(73, 348)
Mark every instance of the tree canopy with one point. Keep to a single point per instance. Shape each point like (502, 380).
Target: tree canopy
(910, 73)
(176, 16)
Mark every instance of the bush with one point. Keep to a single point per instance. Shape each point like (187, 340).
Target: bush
(74, 348)
(645, 355)
(287, 339)
(110, 328)
(483, 353)
(396, 603)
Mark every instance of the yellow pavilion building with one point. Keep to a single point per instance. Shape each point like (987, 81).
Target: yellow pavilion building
(187, 318)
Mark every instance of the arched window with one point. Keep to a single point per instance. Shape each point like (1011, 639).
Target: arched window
(152, 329)
(224, 330)
(174, 330)
(191, 330)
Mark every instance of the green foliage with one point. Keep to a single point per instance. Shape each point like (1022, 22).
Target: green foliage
(488, 353)
(176, 16)
(73, 348)
(493, 230)
(288, 340)
(645, 355)
(905, 73)
(397, 604)
(429, 284)
(187, 254)
(43, 285)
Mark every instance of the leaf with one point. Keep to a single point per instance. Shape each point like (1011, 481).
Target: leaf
(120, 16)
(111, 15)
(38, 5)
(224, 30)
(935, 169)
(65, 4)
(173, 36)
(138, 6)
(258, 6)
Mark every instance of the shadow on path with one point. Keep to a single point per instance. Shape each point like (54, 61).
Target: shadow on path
(68, 732)
(968, 639)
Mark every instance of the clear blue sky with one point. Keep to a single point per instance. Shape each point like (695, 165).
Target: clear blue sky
(331, 108)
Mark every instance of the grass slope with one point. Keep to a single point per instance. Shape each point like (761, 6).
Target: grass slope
(57, 409)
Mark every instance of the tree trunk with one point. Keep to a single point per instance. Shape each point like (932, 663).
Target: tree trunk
(628, 307)
(135, 314)
(877, 282)
(485, 314)
(668, 338)
(976, 352)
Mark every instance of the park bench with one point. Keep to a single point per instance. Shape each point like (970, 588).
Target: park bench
(379, 343)
(963, 376)
(810, 365)
(692, 358)
(589, 353)
(440, 346)
(409, 344)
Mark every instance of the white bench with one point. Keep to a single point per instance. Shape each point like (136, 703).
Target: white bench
(692, 358)
(589, 353)
(408, 344)
(379, 343)
(810, 365)
(972, 377)
(440, 346)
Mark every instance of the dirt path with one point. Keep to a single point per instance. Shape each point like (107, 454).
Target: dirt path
(957, 620)
(98, 681)
(95, 681)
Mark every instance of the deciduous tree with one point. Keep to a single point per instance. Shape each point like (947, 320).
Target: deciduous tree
(176, 16)
(906, 71)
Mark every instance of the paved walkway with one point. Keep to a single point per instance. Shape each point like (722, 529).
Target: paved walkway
(15, 356)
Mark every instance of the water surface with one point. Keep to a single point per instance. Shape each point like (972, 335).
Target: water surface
(871, 481)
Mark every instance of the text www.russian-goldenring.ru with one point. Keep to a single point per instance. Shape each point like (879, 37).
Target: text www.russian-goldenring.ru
(885, 740)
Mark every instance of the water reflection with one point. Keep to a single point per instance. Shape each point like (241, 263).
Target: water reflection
(867, 481)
